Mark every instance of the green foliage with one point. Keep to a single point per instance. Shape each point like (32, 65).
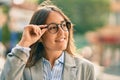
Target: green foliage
(5, 29)
(85, 14)
(80, 41)
(93, 14)
(5, 34)
(5, 9)
(40, 1)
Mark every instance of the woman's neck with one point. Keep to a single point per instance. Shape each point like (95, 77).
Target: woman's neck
(51, 56)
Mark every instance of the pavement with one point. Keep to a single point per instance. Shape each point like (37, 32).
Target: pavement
(108, 73)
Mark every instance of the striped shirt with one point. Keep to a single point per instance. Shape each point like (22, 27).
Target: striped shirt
(54, 73)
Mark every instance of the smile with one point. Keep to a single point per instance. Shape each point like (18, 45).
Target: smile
(60, 40)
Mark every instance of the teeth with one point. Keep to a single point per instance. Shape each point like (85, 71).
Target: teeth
(61, 39)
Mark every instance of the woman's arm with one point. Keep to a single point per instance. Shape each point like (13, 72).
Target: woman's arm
(17, 59)
(15, 64)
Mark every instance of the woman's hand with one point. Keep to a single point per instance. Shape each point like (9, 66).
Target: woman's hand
(31, 34)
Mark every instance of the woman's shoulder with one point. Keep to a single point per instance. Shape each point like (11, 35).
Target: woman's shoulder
(78, 60)
(82, 61)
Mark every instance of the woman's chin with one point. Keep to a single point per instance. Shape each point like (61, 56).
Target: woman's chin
(61, 48)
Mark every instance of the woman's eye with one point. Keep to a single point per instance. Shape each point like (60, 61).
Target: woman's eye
(53, 27)
(64, 25)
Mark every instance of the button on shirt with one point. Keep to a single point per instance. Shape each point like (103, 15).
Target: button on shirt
(54, 73)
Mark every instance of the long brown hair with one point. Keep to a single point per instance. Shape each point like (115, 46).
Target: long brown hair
(39, 18)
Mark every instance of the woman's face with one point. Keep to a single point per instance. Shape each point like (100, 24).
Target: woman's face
(55, 41)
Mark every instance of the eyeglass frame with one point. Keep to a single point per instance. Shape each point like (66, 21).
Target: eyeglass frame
(68, 26)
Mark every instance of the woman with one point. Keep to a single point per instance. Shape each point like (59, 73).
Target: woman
(46, 50)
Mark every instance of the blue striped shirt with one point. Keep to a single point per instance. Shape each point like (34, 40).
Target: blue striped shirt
(54, 73)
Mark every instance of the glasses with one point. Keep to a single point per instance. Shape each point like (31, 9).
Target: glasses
(53, 27)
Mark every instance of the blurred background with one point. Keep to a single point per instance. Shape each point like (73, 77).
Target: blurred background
(96, 30)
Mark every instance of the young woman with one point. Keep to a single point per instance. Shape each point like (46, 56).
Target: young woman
(46, 50)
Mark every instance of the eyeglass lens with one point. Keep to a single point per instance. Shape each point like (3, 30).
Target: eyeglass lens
(53, 27)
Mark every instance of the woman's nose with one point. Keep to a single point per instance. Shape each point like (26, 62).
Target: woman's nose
(60, 30)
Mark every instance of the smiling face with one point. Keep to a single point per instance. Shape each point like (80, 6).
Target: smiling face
(59, 40)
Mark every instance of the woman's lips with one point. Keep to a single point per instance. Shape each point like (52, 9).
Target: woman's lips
(60, 40)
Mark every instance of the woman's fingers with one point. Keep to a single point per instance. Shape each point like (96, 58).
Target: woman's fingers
(37, 30)
(31, 34)
(43, 28)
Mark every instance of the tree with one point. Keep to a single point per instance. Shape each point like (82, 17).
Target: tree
(5, 29)
(93, 14)
(85, 14)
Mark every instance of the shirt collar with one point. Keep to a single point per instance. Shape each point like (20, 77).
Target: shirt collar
(60, 59)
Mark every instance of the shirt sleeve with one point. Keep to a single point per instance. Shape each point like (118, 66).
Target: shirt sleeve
(26, 50)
